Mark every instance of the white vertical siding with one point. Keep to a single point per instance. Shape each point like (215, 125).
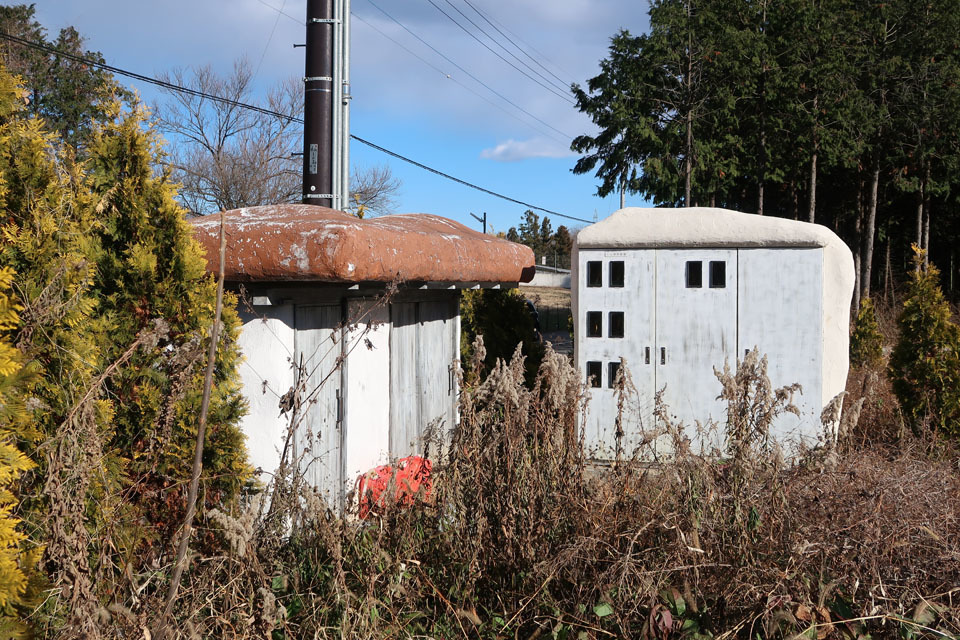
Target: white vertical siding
(781, 306)
(435, 355)
(367, 387)
(267, 343)
(318, 439)
(405, 426)
(423, 353)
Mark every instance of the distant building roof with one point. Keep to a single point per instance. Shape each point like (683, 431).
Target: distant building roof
(295, 242)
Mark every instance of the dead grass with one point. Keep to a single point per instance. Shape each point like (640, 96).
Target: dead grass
(548, 296)
(520, 539)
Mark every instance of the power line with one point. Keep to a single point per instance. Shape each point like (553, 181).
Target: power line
(453, 79)
(562, 88)
(468, 184)
(269, 112)
(270, 39)
(485, 45)
(281, 12)
(475, 79)
(493, 23)
(565, 135)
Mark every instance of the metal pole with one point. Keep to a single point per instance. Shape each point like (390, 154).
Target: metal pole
(483, 220)
(336, 107)
(318, 105)
(345, 98)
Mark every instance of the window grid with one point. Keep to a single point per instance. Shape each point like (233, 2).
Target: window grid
(594, 373)
(594, 273)
(594, 324)
(616, 273)
(694, 272)
(615, 324)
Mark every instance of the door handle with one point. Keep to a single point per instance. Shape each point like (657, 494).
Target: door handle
(339, 407)
(646, 355)
(663, 355)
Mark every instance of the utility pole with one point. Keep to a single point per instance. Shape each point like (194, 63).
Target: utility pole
(482, 220)
(326, 96)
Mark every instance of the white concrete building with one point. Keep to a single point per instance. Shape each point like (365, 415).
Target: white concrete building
(376, 370)
(677, 292)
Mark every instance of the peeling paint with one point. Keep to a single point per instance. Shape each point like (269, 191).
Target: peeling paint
(311, 243)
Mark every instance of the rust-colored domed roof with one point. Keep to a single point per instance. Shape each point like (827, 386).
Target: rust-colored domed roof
(309, 243)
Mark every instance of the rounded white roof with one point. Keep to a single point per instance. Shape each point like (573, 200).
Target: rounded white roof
(634, 227)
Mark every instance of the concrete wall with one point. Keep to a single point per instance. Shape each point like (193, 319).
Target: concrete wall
(677, 330)
(549, 279)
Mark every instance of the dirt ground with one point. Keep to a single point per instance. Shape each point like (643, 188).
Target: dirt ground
(549, 296)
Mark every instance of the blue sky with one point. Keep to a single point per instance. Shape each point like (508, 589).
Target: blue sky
(399, 101)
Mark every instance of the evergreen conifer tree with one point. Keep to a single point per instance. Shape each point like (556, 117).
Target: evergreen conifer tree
(116, 310)
(866, 343)
(925, 364)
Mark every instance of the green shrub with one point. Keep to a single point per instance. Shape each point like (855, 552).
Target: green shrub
(866, 343)
(925, 363)
(504, 320)
(116, 308)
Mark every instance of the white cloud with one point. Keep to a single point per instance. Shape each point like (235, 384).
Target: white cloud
(517, 150)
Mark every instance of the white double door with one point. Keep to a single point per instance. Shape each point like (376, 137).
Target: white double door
(690, 328)
(688, 312)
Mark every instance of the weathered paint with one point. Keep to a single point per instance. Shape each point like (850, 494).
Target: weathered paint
(310, 243)
(423, 354)
(787, 291)
(318, 437)
(267, 343)
(780, 314)
(437, 370)
(367, 383)
(405, 424)
(636, 301)
(696, 332)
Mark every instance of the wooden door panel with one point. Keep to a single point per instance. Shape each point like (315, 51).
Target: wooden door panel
(318, 438)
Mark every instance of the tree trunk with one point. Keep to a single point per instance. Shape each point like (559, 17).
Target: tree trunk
(812, 211)
(926, 215)
(688, 99)
(623, 190)
(762, 169)
(858, 254)
(887, 275)
(794, 200)
(688, 169)
(919, 218)
(870, 230)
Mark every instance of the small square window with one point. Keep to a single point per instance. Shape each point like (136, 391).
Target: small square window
(594, 324)
(694, 274)
(615, 327)
(595, 274)
(616, 273)
(594, 371)
(718, 274)
(613, 368)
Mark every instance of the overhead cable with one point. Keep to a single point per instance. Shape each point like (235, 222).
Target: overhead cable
(475, 79)
(561, 87)
(200, 94)
(562, 96)
(494, 23)
(455, 80)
